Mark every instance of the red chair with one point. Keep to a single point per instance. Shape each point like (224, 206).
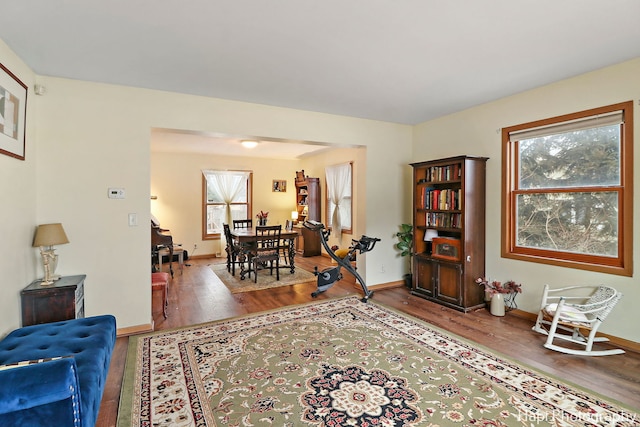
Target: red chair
(160, 282)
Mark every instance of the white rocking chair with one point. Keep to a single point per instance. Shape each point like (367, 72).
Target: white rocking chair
(572, 310)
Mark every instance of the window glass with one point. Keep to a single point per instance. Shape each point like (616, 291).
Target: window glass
(567, 190)
(589, 157)
(227, 196)
(584, 223)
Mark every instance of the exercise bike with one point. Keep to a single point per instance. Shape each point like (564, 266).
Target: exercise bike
(330, 275)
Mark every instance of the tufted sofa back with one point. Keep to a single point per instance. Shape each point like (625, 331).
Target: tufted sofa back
(88, 341)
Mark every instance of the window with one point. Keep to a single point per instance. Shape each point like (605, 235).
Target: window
(339, 198)
(226, 196)
(567, 190)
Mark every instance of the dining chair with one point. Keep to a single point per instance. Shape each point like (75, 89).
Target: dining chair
(285, 243)
(242, 223)
(231, 249)
(266, 250)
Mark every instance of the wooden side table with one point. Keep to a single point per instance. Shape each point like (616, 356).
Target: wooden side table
(62, 300)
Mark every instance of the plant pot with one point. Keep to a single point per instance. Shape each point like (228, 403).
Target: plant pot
(497, 305)
(408, 280)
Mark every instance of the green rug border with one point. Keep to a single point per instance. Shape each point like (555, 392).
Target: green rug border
(125, 416)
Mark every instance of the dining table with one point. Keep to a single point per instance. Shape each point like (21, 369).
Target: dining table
(245, 237)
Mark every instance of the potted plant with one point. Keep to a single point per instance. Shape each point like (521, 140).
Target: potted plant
(262, 218)
(405, 246)
(499, 294)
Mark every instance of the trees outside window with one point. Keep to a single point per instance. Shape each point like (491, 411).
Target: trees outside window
(567, 196)
(226, 196)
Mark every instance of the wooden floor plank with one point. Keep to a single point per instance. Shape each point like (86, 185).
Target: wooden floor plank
(198, 296)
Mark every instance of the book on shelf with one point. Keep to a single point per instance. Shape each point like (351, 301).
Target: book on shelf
(443, 220)
(444, 173)
(446, 199)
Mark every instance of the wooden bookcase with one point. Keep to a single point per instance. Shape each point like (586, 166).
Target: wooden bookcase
(449, 230)
(308, 205)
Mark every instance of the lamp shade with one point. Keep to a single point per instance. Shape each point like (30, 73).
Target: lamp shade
(430, 234)
(49, 235)
(294, 215)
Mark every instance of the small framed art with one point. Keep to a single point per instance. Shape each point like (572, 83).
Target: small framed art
(279, 186)
(13, 113)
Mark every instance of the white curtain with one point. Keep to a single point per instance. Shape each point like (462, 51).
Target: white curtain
(226, 185)
(339, 194)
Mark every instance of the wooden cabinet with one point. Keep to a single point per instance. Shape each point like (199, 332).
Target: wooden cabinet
(62, 300)
(449, 230)
(308, 204)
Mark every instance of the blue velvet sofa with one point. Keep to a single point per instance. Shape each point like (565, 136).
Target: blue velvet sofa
(54, 374)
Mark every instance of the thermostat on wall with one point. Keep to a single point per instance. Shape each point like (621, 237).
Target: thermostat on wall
(116, 193)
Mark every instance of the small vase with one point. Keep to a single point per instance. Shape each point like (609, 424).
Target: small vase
(497, 305)
(262, 221)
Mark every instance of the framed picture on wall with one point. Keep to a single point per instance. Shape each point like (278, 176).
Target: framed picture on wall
(279, 186)
(13, 113)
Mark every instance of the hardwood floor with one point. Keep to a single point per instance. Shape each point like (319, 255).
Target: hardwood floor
(198, 296)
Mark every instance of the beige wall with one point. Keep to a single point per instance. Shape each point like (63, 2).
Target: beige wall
(477, 131)
(89, 137)
(18, 219)
(83, 138)
(179, 203)
(179, 207)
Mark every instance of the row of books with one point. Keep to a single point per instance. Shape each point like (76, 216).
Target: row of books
(443, 173)
(443, 220)
(447, 199)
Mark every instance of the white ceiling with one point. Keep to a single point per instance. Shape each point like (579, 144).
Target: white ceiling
(403, 61)
(175, 141)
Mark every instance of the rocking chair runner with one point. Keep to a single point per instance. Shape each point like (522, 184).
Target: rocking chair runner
(569, 312)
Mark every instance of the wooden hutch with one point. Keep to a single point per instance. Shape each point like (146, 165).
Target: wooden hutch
(308, 205)
(449, 231)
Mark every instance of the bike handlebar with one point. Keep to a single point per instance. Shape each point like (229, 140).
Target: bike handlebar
(365, 244)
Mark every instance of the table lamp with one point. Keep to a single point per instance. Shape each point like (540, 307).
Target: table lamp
(294, 216)
(429, 234)
(46, 236)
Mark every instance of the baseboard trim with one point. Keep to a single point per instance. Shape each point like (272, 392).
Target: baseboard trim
(387, 285)
(135, 330)
(202, 256)
(616, 341)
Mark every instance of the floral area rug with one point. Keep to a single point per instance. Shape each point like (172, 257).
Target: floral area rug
(340, 363)
(265, 279)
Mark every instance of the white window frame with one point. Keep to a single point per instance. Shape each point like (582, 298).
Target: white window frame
(248, 176)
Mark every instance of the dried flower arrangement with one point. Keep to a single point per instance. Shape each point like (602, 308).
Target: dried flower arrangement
(495, 287)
